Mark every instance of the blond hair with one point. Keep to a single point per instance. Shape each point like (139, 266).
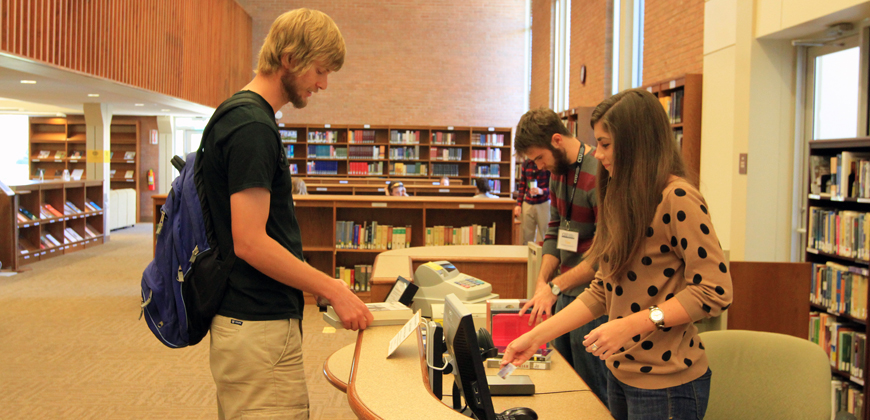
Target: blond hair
(305, 35)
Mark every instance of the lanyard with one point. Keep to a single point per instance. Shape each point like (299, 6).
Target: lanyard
(576, 178)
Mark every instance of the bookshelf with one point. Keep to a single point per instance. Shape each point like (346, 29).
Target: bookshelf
(28, 241)
(50, 136)
(838, 246)
(681, 98)
(416, 152)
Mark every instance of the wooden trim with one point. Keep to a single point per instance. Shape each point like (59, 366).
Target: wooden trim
(477, 260)
(331, 378)
(358, 407)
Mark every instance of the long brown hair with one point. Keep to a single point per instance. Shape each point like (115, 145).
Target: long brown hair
(645, 156)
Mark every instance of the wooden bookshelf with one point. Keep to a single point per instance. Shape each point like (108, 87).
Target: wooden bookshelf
(23, 240)
(684, 110)
(825, 208)
(68, 135)
(415, 152)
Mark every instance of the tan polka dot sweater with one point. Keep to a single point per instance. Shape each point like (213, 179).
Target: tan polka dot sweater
(680, 258)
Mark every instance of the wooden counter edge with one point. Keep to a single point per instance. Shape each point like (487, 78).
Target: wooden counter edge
(359, 408)
(331, 378)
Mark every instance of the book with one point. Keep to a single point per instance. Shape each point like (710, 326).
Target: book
(77, 174)
(43, 154)
(76, 154)
(130, 155)
(129, 174)
(52, 210)
(60, 154)
(111, 173)
(384, 313)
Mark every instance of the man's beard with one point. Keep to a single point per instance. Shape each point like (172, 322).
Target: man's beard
(292, 91)
(561, 164)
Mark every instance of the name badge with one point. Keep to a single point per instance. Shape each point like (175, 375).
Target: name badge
(568, 240)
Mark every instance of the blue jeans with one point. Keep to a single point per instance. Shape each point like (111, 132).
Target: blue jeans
(570, 346)
(683, 402)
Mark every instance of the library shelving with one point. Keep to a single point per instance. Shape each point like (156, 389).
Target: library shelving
(378, 186)
(46, 219)
(422, 152)
(681, 98)
(838, 246)
(319, 217)
(58, 144)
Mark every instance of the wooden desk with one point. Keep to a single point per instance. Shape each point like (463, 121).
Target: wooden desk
(397, 388)
(503, 266)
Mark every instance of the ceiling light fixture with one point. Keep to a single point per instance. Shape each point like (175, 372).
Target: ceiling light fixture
(93, 95)
(28, 82)
(138, 104)
(165, 110)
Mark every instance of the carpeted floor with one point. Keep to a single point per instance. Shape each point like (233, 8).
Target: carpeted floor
(72, 346)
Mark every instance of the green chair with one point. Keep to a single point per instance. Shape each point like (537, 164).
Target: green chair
(761, 375)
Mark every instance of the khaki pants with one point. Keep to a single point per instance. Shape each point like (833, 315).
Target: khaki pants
(257, 368)
(535, 216)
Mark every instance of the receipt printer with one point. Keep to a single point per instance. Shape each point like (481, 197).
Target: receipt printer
(440, 278)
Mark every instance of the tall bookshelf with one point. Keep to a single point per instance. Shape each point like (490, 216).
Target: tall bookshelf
(65, 142)
(838, 246)
(425, 152)
(681, 98)
(27, 241)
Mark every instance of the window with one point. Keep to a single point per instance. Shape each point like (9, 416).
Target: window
(14, 162)
(628, 28)
(561, 54)
(835, 88)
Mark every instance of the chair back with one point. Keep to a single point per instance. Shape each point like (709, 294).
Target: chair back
(761, 375)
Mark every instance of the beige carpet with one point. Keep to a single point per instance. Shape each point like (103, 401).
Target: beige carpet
(72, 347)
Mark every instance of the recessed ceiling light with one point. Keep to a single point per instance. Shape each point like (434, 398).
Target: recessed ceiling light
(139, 104)
(94, 95)
(28, 82)
(165, 110)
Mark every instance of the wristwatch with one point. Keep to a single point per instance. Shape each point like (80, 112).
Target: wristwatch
(553, 288)
(657, 317)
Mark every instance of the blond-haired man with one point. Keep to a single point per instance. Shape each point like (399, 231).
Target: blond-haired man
(256, 337)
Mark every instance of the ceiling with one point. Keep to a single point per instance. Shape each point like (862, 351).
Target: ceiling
(65, 91)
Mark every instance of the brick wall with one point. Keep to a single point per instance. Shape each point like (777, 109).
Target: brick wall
(541, 89)
(591, 45)
(433, 62)
(673, 39)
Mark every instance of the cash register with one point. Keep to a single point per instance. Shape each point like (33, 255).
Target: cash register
(438, 279)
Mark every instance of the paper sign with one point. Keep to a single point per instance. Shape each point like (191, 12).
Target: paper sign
(404, 333)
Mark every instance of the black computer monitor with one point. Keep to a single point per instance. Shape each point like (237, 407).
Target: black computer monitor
(468, 369)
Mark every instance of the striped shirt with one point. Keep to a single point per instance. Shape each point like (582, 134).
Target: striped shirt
(531, 173)
(584, 211)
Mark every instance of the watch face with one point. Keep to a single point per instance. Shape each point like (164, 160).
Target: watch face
(656, 315)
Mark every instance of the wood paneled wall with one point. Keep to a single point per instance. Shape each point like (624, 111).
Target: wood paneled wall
(196, 50)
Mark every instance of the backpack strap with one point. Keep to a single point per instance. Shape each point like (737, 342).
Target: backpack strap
(245, 98)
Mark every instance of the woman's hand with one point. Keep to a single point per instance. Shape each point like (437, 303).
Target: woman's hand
(609, 338)
(520, 350)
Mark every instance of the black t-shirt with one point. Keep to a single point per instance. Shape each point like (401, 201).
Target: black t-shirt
(243, 150)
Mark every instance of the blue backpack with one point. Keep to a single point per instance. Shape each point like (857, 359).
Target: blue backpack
(183, 287)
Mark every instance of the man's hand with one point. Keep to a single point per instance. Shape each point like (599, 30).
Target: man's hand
(536, 191)
(352, 312)
(541, 303)
(518, 211)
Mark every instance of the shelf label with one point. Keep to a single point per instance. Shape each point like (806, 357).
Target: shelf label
(24, 226)
(366, 126)
(466, 206)
(327, 126)
(280, 124)
(131, 161)
(34, 160)
(672, 85)
(342, 182)
(58, 160)
(379, 204)
(815, 197)
(52, 250)
(36, 224)
(436, 183)
(27, 257)
(837, 198)
(380, 190)
(812, 251)
(320, 189)
(75, 217)
(444, 190)
(491, 129)
(450, 128)
(864, 200)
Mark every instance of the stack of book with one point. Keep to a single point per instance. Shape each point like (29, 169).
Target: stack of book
(323, 137)
(465, 235)
(384, 313)
(405, 137)
(48, 241)
(90, 232)
(27, 214)
(70, 208)
(289, 135)
(362, 136)
(351, 235)
(357, 277)
(478, 139)
(440, 137)
(52, 212)
(70, 235)
(91, 206)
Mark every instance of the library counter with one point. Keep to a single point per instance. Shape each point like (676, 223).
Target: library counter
(397, 387)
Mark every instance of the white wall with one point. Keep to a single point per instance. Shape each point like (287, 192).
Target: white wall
(14, 142)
